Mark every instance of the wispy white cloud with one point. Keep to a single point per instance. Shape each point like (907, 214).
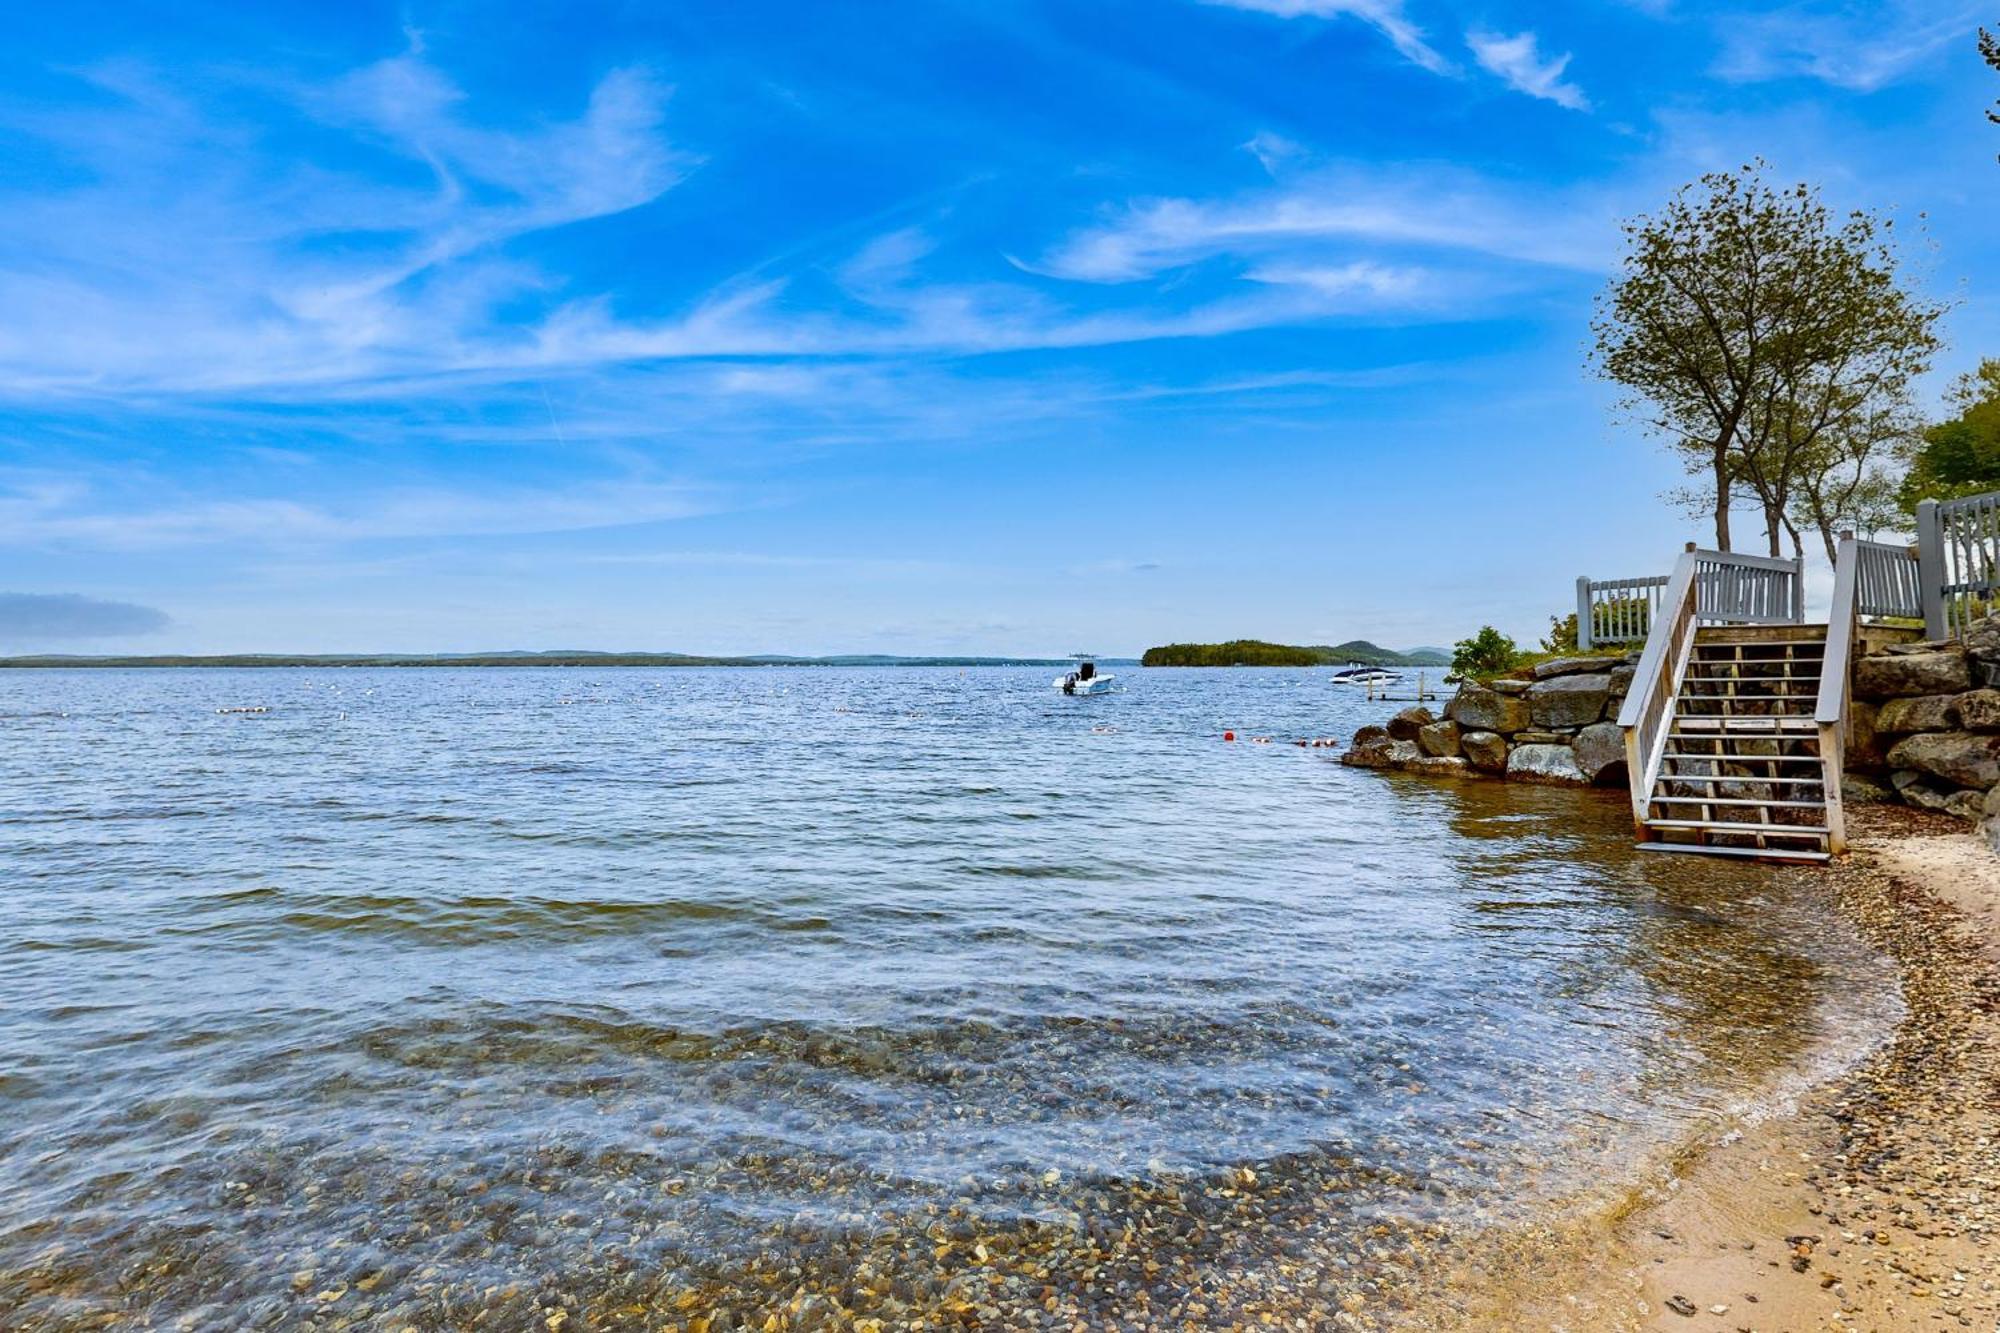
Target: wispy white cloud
(195, 257)
(1519, 62)
(1435, 209)
(1385, 16)
(1860, 46)
(76, 514)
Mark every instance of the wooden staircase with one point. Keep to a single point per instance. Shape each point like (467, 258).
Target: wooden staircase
(1740, 772)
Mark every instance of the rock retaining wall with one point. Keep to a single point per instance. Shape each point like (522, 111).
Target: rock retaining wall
(1924, 727)
(1555, 722)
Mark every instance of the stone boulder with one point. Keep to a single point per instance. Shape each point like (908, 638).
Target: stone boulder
(1922, 712)
(1569, 701)
(1439, 739)
(1484, 750)
(1439, 766)
(1509, 685)
(1481, 708)
(1901, 675)
(1554, 765)
(1600, 753)
(1960, 758)
(1860, 791)
(1406, 724)
(1979, 710)
(1925, 797)
(1568, 666)
(1967, 805)
(1621, 680)
(1379, 751)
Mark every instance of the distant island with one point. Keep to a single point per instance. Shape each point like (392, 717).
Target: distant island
(528, 659)
(1256, 652)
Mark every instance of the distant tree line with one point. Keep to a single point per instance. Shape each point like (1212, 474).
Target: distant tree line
(1257, 652)
(1237, 652)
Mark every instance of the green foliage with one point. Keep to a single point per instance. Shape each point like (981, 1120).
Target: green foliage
(1256, 652)
(1960, 456)
(1561, 637)
(1989, 47)
(1771, 345)
(1237, 652)
(1487, 653)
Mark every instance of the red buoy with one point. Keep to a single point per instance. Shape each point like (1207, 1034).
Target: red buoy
(1229, 735)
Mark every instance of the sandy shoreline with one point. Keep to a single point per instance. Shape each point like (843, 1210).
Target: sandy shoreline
(1874, 1205)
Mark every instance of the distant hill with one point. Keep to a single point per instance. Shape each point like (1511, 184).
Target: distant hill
(1369, 654)
(1257, 652)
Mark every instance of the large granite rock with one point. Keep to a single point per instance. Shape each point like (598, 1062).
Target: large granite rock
(1923, 712)
(1509, 685)
(1569, 666)
(1600, 753)
(1439, 766)
(1979, 710)
(1967, 805)
(1621, 680)
(1857, 790)
(1481, 708)
(1484, 750)
(1379, 750)
(1924, 796)
(1900, 675)
(1569, 701)
(1959, 757)
(1554, 765)
(1406, 724)
(1439, 739)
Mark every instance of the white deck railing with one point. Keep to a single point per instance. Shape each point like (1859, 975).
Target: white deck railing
(1958, 547)
(1615, 611)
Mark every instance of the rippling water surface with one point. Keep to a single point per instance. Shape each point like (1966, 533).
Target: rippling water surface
(636, 998)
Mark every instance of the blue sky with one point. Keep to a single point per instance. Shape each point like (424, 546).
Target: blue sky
(995, 327)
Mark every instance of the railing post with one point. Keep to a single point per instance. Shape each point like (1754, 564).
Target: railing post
(1930, 568)
(1798, 590)
(1583, 611)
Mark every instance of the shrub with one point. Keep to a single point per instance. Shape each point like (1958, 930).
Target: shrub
(1487, 653)
(1561, 637)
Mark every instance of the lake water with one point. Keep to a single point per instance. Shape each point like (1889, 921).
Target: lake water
(660, 998)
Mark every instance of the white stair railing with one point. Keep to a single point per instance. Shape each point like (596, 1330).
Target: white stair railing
(1706, 587)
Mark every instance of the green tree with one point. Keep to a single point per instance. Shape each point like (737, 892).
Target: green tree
(1960, 456)
(1561, 637)
(1989, 46)
(1755, 335)
(1487, 653)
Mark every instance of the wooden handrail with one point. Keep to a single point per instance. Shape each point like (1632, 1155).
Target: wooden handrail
(1831, 708)
(1649, 700)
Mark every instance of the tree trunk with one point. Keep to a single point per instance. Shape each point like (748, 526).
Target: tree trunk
(1722, 495)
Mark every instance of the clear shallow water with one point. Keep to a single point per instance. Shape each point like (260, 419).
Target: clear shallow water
(643, 994)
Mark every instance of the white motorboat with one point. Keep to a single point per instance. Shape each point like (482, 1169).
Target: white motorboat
(1086, 678)
(1356, 673)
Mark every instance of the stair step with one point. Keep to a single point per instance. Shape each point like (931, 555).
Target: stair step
(1727, 777)
(1724, 826)
(1757, 634)
(1744, 758)
(1761, 853)
(1756, 801)
(1744, 698)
